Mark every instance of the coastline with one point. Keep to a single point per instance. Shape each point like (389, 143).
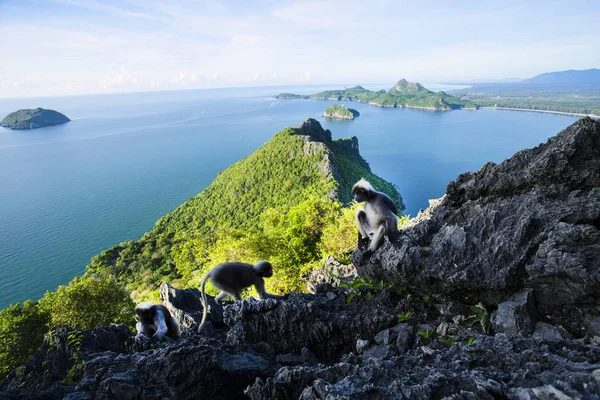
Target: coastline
(594, 116)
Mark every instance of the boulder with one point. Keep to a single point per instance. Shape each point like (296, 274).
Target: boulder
(517, 315)
(186, 307)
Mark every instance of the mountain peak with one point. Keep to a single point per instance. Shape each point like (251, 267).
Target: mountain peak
(404, 86)
(315, 131)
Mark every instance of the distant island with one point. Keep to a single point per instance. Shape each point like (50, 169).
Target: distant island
(33, 119)
(570, 76)
(566, 92)
(404, 94)
(339, 111)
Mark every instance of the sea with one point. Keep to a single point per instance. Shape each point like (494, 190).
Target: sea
(68, 192)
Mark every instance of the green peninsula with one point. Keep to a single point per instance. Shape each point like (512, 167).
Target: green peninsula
(290, 96)
(286, 203)
(339, 111)
(404, 94)
(33, 119)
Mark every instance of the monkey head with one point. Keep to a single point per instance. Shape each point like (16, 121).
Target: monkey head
(144, 313)
(264, 269)
(361, 190)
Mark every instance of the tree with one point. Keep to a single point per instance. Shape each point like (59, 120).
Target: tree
(22, 329)
(88, 302)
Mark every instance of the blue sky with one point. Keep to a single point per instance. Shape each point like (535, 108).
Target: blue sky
(61, 47)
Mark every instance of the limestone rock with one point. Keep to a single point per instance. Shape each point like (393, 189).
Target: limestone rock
(531, 222)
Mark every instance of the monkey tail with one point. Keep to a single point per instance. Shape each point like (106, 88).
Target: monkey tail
(204, 301)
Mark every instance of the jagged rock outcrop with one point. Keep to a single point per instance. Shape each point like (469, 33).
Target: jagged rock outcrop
(324, 325)
(312, 347)
(332, 274)
(497, 367)
(531, 222)
(186, 307)
(312, 128)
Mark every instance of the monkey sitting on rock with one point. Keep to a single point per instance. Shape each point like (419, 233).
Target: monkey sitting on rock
(379, 215)
(155, 322)
(232, 277)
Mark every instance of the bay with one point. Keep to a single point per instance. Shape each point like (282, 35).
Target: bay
(67, 192)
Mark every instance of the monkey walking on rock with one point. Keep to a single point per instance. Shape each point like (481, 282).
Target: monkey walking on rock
(379, 215)
(232, 277)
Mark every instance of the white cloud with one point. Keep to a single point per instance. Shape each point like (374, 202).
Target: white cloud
(306, 77)
(100, 46)
(122, 80)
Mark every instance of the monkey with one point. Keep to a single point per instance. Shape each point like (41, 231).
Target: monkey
(231, 277)
(379, 215)
(155, 322)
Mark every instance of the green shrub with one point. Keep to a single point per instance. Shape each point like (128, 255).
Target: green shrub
(22, 328)
(87, 303)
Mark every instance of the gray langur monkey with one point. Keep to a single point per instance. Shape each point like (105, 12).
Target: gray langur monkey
(379, 215)
(155, 322)
(231, 277)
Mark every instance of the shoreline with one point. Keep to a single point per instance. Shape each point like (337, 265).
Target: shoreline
(594, 116)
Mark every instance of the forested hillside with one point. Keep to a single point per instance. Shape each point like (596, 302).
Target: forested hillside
(274, 204)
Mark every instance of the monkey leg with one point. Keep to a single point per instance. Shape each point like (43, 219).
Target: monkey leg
(377, 239)
(221, 296)
(362, 223)
(237, 295)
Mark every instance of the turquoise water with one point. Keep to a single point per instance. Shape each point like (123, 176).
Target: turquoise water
(67, 192)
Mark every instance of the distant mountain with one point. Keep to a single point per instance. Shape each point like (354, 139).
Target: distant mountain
(404, 86)
(570, 76)
(403, 94)
(33, 118)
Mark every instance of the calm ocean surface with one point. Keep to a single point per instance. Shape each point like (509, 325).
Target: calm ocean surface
(70, 191)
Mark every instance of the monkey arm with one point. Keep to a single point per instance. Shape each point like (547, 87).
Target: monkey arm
(362, 223)
(143, 330)
(161, 326)
(262, 293)
(390, 203)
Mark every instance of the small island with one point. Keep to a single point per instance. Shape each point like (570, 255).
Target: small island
(339, 111)
(290, 96)
(33, 119)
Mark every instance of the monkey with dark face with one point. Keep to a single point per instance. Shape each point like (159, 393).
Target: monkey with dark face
(379, 215)
(155, 322)
(232, 277)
